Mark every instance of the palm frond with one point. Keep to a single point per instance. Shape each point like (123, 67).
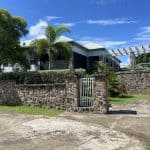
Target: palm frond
(61, 29)
(50, 34)
(40, 46)
(63, 50)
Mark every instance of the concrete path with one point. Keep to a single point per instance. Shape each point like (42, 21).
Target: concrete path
(126, 127)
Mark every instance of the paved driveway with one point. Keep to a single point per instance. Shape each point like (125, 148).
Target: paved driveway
(126, 128)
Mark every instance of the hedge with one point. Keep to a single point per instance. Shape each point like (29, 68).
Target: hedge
(40, 77)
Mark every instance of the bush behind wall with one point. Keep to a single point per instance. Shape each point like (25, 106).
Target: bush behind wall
(41, 77)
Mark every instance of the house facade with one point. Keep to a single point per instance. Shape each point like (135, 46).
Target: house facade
(83, 56)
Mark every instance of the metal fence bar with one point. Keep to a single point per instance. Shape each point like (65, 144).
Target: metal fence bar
(86, 92)
(89, 90)
(92, 90)
(81, 89)
(85, 96)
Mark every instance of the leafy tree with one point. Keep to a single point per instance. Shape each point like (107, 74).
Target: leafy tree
(115, 87)
(143, 58)
(39, 46)
(12, 28)
(51, 45)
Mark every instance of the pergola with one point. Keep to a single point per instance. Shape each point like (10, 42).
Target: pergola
(132, 52)
(137, 50)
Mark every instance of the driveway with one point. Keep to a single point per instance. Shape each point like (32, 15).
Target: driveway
(127, 127)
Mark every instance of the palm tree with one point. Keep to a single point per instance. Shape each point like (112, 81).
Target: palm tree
(52, 45)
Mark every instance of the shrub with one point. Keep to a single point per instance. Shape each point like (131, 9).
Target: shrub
(41, 77)
(115, 87)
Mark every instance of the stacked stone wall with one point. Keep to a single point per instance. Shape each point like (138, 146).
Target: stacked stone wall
(64, 95)
(135, 82)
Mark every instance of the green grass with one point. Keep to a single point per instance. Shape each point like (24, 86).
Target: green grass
(32, 110)
(128, 98)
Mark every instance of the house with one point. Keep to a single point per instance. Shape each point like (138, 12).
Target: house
(84, 56)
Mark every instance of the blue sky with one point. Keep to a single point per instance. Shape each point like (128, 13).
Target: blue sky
(112, 23)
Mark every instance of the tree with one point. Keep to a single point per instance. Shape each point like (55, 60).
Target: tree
(12, 28)
(51, 45)
(39, 46)
(143, 58)
(115, 87)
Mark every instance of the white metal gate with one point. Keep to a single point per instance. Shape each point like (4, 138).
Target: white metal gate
(86, 92)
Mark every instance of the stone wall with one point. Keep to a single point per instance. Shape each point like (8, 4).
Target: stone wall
(61, 95)
(43, 95)
(135, 82)
(101, 94)
(8, 93)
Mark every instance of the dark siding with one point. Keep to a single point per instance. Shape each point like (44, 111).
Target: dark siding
(93, 60)
(80, 61)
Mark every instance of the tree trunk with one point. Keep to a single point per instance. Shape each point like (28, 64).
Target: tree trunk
(71, 63)
(49, 65)
(0, 67)
(49, 55)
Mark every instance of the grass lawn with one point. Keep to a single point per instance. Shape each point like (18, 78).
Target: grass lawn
(128, 98)
(32, 110)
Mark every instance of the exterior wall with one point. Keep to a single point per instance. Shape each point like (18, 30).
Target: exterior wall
(136, 82)
(8, 93)
(80, 61)
(47, 95)
(79, 50)
(61, 96)
(81, 56)
(10, 68)
(101, 94)
(60, 64)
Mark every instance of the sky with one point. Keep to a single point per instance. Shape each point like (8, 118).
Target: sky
(110, 23)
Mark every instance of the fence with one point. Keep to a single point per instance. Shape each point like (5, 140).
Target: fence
(86, 92)
(90, 95)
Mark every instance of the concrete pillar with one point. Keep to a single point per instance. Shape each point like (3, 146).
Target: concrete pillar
(101, 103)
(71, 63)
(133, 61)
(100, 62)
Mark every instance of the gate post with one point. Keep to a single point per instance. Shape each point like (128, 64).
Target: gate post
(72, 92)
(133, 61)
(101, 104)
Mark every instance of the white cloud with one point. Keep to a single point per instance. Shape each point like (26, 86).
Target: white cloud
(110, 44)
(144, 35)
(37, 31)
(50, 18)
(68, 24)
(125, 61)
(115, 21)
(102, 42)
(104, 2)
(25, 42)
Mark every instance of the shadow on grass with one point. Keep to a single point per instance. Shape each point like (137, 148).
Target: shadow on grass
(11, 105)
(122, 112)
(123, 99)
(124, 96)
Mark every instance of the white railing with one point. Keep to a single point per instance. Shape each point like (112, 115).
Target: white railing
(86, 92)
